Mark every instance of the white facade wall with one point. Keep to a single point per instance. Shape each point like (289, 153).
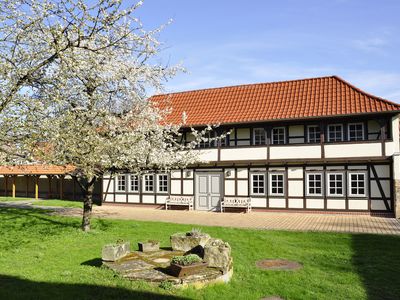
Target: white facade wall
(353, 150)
(236, 179)
(295, 152)
(236, 182)
(257, 153)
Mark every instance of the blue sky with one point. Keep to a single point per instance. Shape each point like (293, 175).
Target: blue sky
(233, 42)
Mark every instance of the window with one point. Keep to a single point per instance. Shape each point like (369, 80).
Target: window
(207, 140)
(357, 184)
(149, 183)
(121, 183)
(257, 184)
(278, 135)
(335, 133)
(356, 132)
(335, 184)
(162, 180)
(258, 136)
(134, 183)
(222, 141)
(313, 134)
(276, 184)
(314, 184)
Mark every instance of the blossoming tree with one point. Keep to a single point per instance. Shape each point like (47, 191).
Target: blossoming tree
(73, 85)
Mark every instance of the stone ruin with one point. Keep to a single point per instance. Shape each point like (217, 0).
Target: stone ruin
(153, 265)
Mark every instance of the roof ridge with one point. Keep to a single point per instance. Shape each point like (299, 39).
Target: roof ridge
(364, 92)
(249, 84)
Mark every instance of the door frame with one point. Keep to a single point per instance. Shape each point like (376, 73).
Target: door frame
(196, 188)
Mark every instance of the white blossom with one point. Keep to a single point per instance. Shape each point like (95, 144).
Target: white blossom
(73, 81)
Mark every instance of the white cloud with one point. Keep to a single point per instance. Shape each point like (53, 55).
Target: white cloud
(374, 44)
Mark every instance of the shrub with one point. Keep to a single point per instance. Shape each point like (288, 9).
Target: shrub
(194, 232)
(166, 285)
(186, 260)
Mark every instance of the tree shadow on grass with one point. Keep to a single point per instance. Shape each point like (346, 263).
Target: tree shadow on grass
(9, 217)
(17, 288)
(377, 262)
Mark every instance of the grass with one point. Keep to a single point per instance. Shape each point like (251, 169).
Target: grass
(56, 202)
(46, 202)
(48, 257)
(11, 199)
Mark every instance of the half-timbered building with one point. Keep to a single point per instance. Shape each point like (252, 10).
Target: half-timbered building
(317, 144)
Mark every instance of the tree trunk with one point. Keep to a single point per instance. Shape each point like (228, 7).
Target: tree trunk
(87, 186)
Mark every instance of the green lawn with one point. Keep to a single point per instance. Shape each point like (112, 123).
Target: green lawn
(56, 202)
(48, 257)
(45, 202)
(11, 199)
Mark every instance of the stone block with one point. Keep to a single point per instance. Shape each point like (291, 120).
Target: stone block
(149, 246)
(217, 254)
(186, 243)
(113, 252)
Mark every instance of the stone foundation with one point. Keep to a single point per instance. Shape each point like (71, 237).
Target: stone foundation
(155, 266)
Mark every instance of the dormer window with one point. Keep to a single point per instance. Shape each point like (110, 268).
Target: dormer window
(313, 134)
(258, 136)
(356, 131)
(335, 133)
(278, 135)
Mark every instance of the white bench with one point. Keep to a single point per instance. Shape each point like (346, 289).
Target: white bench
(236, 202)
(179, 200)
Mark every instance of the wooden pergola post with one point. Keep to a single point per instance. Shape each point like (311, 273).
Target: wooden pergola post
(49, 190)
(5, 185)
(73, 188)
(36, 187)
(27, 186)
(61, 177)
(14, 186)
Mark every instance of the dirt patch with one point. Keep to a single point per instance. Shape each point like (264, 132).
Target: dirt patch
(278, 264)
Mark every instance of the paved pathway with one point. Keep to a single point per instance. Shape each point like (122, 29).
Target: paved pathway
(258, 220)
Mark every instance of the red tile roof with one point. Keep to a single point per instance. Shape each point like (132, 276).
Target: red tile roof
(296, 99)
(36, 170)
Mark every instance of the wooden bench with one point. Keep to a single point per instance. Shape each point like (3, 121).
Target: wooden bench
(236, 202)
(179, 200)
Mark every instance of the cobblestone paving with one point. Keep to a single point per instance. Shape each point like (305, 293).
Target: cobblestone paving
(357, 223)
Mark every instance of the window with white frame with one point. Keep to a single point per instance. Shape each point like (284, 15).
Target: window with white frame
(357, 185)
(335, 133)
(278, 135)
(314, 184)
(207, 140)
(134, 184)
(356, 131)
(335, 184)
(276, 184)
(162, 183)
(258, 136)
(149, 183)
(258, 184)
(313, 134)
(121, 183)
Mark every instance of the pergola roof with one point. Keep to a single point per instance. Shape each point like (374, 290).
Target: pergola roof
(36, 170)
